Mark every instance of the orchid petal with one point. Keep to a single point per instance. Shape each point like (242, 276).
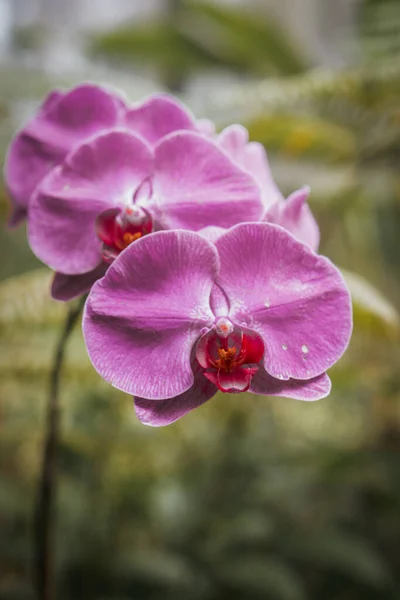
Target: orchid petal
(295, 215)
(63, 121)
(67, 287)
(212, 233)
(233, 140)
(310, 389)
(197, 185)
(251, 156)
(206, 127)
(255, 161)
(144, 317)
(99, 174)
(158, 116)
(296, 300)
(163, 412)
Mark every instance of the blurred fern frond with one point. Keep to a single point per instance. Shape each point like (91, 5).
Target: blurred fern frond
(25, 301)
(363, 87)
(259, 574)
(380, 28)
(304, 136)
(161, 45)
(258, 43)
(342, 552)
(30, 321)
(202, 36)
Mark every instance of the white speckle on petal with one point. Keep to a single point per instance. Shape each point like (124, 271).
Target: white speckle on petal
(284, 347)
(267, 303)
(304, 349)
(66, 188)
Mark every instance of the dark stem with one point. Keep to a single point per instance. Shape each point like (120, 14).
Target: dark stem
(171, 77)
(44, 554)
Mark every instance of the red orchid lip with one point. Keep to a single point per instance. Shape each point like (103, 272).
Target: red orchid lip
(118, 227)
(229, 355)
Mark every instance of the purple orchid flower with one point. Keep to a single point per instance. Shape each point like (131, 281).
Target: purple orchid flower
(177, 318)
(116, 188)
(252, 157)
(293, 214)
(67, 118)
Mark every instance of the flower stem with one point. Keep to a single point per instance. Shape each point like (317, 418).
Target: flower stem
(44, 554)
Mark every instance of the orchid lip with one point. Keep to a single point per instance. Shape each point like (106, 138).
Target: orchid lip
(117, 228)
(228, 355)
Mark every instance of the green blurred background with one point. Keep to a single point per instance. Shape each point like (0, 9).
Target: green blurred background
(248, 497)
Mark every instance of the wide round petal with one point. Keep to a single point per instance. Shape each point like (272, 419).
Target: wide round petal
(144, 317)
(295, 215)
(62, 122)
(251, 156)
(99, 174)
(158, 116)
(163, 412)
(296, 300)
(197, 185)
(66, 287)
(310, 389)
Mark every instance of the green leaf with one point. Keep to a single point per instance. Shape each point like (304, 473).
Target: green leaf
(258, 43)
(371, 308)
(239, 41)
(159, 44)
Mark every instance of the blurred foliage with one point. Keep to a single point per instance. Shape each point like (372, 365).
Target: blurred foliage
(379, 27)
(202, 36)
(286, 500)
(30, 37)
(247, 497)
